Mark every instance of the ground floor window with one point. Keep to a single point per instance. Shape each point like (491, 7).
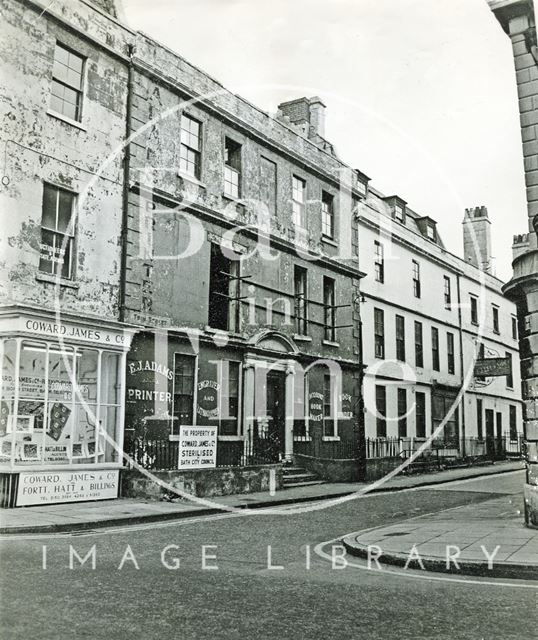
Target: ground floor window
(381, 411)
(329, 407)
(420, 414)
(513, 422)
(229, 398)
(58, 403)
(183, 397)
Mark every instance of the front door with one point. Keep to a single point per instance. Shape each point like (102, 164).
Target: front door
(276, 407)
(490, 434)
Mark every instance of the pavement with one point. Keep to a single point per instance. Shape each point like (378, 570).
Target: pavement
(90, 515)
(486, 539)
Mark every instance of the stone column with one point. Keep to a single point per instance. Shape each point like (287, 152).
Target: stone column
(517, 19)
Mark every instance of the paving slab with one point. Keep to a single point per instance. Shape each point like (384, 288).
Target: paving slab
(88, 515)
(500, 528)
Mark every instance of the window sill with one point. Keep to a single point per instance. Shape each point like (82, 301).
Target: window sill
(497, 333)
(329, 343)
(474, 323)
(60, 116)
(298, 337)
(329, 241)
(331, 438)
(191, 179)
(45, 277)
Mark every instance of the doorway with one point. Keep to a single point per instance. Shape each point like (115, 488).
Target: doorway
(490, 433)
(276, 407)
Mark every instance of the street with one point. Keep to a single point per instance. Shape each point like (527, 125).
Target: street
(241, 593)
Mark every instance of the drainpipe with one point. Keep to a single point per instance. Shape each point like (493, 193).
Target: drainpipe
(460, 332)
(126, 179)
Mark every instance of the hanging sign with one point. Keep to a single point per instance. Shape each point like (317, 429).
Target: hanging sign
(492, 367)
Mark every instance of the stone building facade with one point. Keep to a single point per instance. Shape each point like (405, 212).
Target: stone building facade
(518, 21)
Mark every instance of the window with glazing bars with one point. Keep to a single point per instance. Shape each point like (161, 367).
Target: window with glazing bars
(329, 309)
(300, 285)
(400, 338)
(327, 215)
(435, 349)
(66, 90)
(420, 414)
(402, 413)
(57, 231)
(298, 202)
(448, 296)
(381, 411)
(232, 168)
(183, 390)
(379, 261)
(450, 352)
(379, 333)
(419, 345)
(329, 422)
(190, 147)
(416, 279)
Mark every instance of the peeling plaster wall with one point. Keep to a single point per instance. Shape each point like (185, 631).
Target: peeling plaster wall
(38, 147)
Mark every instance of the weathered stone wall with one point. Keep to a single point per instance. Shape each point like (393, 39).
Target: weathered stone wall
(39, 147)
(206, 483)
(332, 470)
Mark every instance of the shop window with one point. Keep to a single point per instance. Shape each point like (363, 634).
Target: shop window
(435, 349)
(327, 215)
(400, 338)
(381, 411)
(223, 302)
(450, 352)
(66, 90)
(229, 399)
(329, 316)
(298, 202)
(420, 414)
(402, 413)
(419, 346)
(57, 231)
(190, 147)
(379, 333)
(379, 262)
(184, 373)
(301, 308)
(329, 408)
(54, 408)
(232, 168)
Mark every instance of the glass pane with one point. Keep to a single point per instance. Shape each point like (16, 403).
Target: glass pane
(61, 54)
(48, 218)
(110, 378)
(109, 422)
(60, 393)
(86, 375)
(65, 210)
(84, 433)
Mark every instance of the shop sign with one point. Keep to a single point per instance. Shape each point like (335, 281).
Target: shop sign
(492, 367)
(346, 412)
(315, 400)
(46, 328)
(208, 391)
(46, 487)
(197, 447)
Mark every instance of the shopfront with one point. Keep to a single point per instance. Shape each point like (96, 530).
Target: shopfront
(62, 388)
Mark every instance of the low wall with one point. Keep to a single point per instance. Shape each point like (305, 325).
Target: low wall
(331, 470)
(203, 483)
(376, 468)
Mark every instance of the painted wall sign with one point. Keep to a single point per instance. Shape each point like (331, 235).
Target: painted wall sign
(315, 402)
(150, 365)
(197, 447)
(50, 487)
(492, 367)
(208, 398)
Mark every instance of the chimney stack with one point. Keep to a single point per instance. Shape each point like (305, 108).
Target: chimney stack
(306, 112)
(477, 238)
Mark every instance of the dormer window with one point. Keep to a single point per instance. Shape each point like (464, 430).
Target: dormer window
(399, 213)
(362, 183)
(430, 230)
(397, 208)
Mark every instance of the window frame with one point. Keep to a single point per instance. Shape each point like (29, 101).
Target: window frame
(474, 308)
(495, 318)
(419, 345)
(510, 378)
(436, 362)
(379, 261)
(196, 153)
(400, 337)
(176, 425)
(73, 224)
(514, 328)
(329, 309)
(328, 222)
(379, 336)
(79, 92)
(300, 276)
(450, 353)
(422, 402)
(381, 410)
(231, 172)
(401, 398)
(298, 206)
(416, 279)
(447, 292)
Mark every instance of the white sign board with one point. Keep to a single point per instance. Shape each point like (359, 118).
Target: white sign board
(50, 487)
(197, 447)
